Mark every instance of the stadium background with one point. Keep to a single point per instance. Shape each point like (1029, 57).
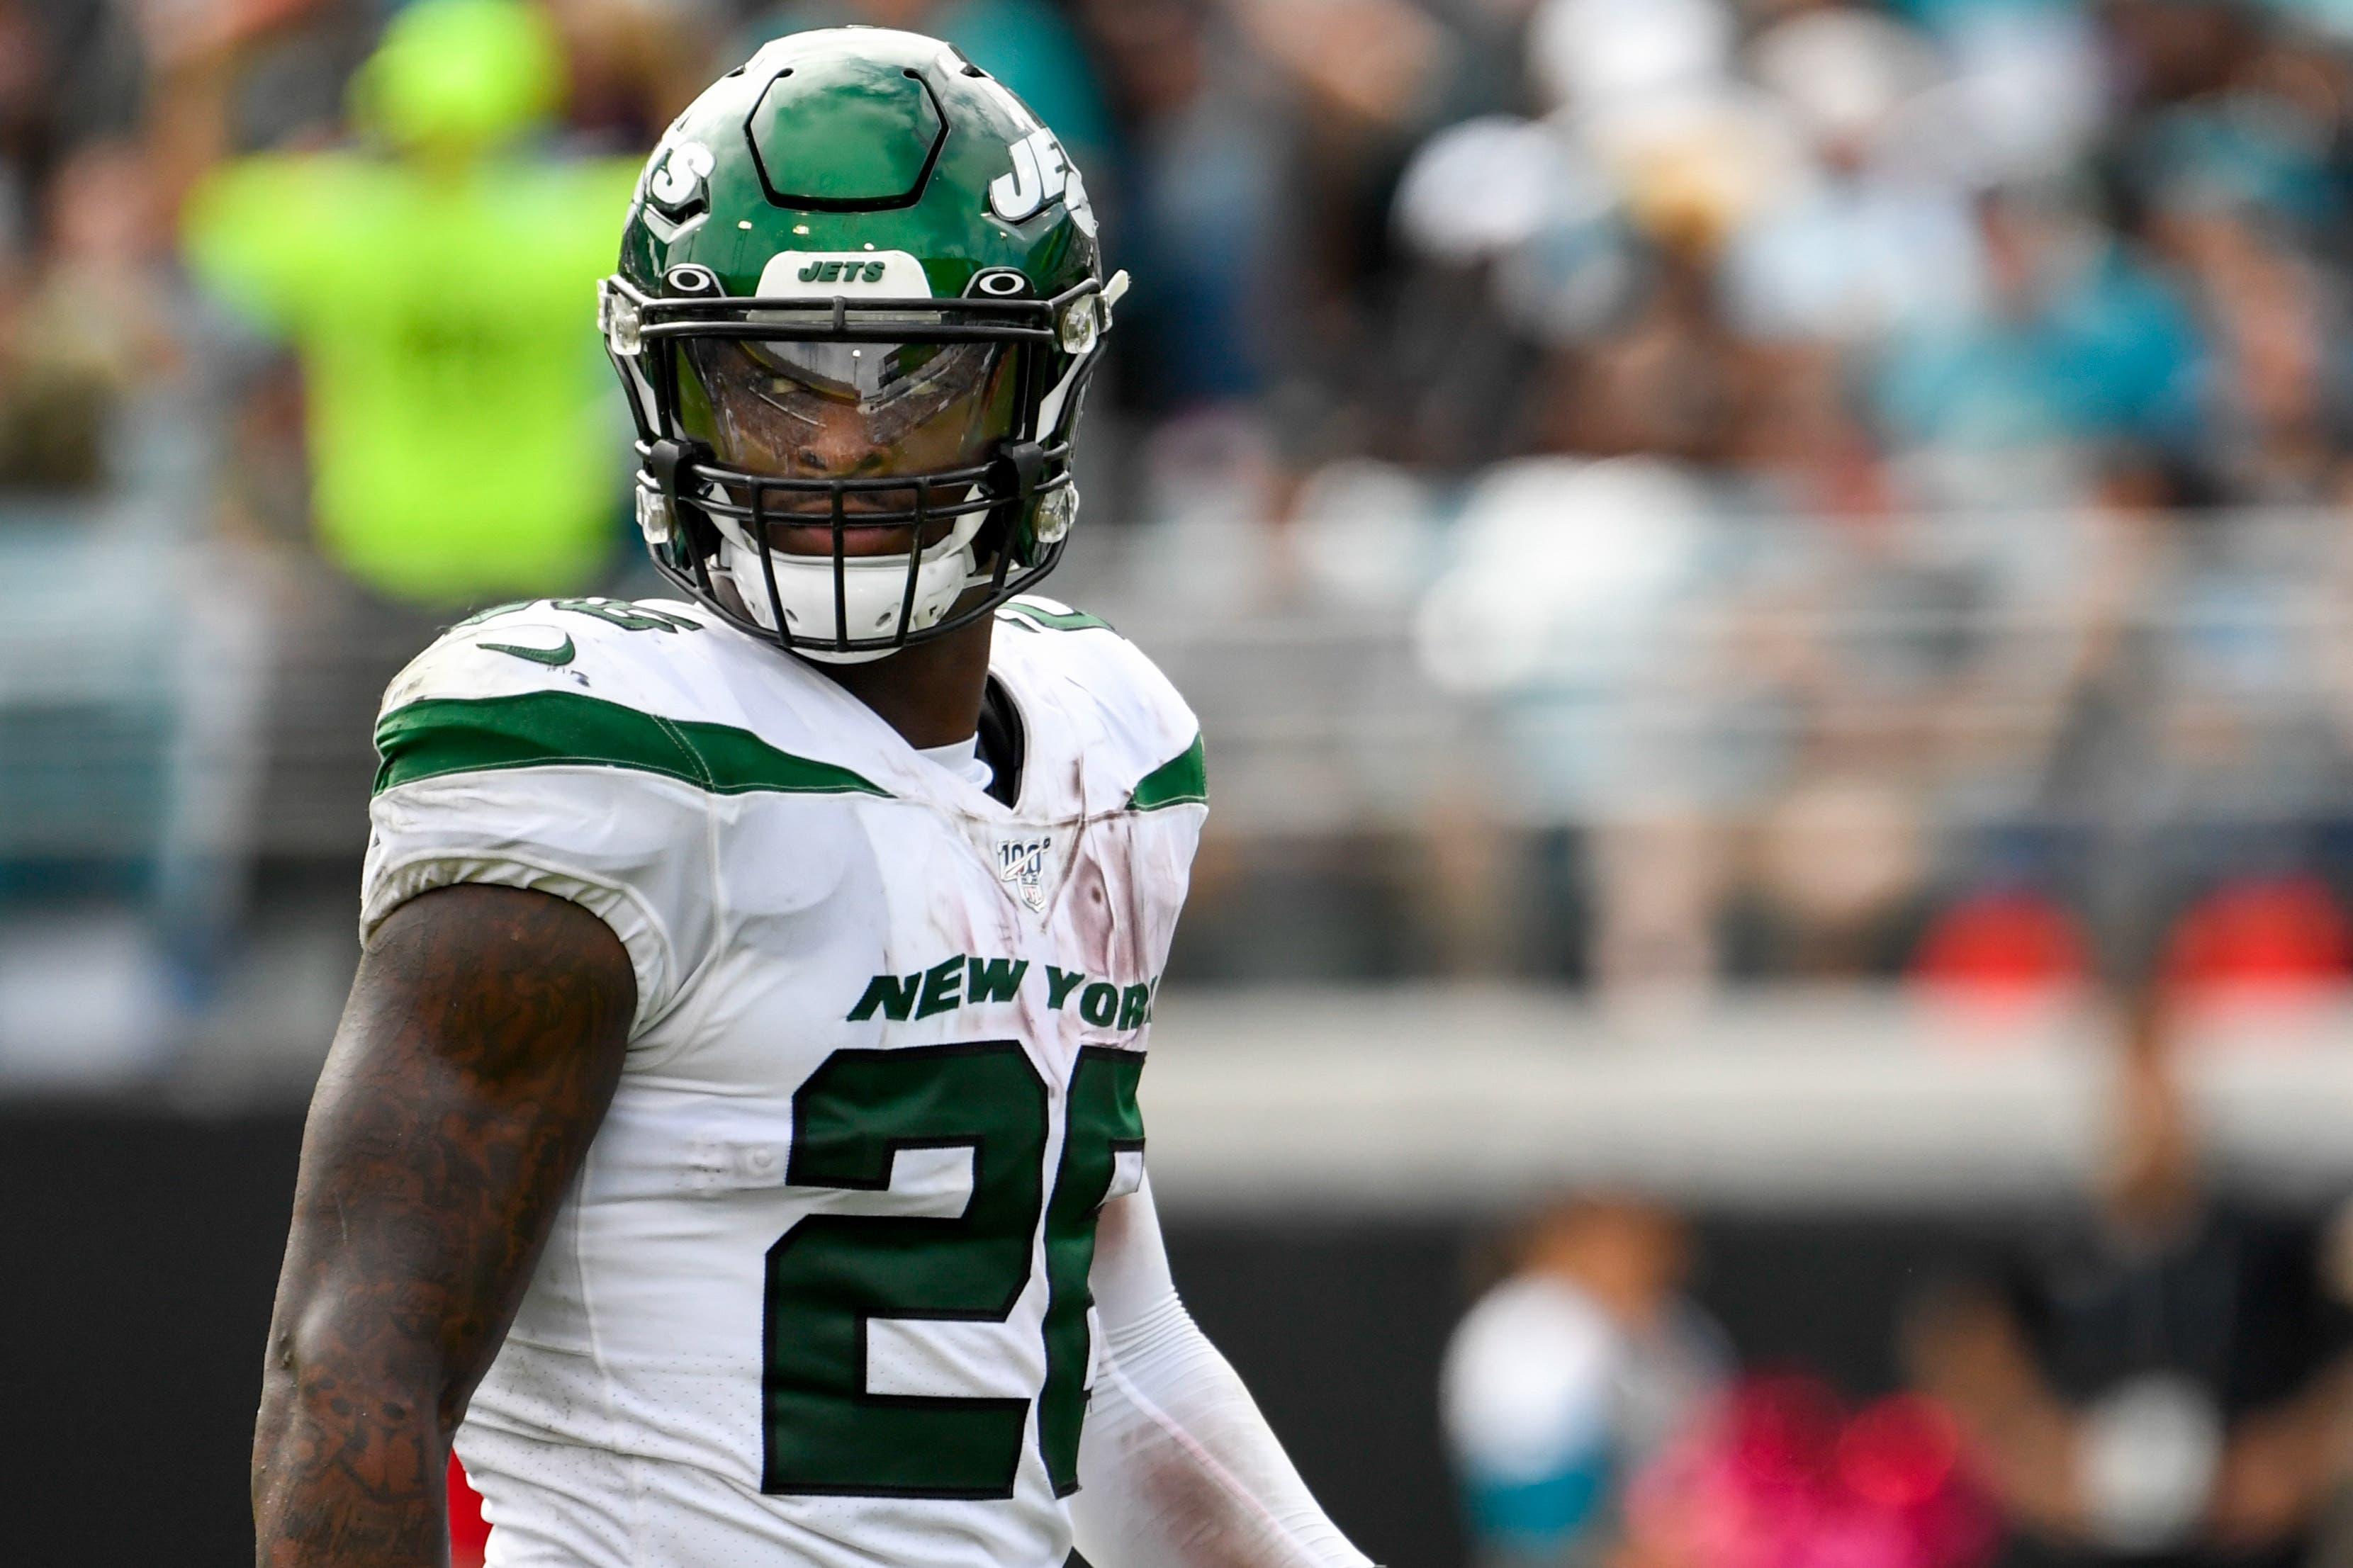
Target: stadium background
(1759, 575)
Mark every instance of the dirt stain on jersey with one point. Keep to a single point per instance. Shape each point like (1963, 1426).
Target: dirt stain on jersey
(1127, 885)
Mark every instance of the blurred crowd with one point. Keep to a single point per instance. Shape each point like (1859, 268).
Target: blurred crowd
(2157, 1374)
(1859, 485)
(1858, 490)
(1829, 258)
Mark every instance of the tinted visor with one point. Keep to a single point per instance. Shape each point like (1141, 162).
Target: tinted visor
(800, 407)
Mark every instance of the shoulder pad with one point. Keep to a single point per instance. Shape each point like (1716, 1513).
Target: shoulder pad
(1142, 714)
(606, 646)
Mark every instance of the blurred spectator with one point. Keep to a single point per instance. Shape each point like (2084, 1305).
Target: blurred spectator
(438, 291)
(630, 66)
(84, 302)
(445, 395)
(1837, 882)
(1868, 247)
(1571, 1375)
(1781, 1475)
(100, 334)
(2079, 343)
(2277, 389)
(21, 61)
(1204, 207)
(2163, 1379)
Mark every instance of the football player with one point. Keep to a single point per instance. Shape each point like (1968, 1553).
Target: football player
(732, 1138)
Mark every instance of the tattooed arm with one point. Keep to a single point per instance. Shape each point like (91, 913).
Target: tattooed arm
(480, 1048)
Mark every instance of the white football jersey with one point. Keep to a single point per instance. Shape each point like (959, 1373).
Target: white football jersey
(820, 1293)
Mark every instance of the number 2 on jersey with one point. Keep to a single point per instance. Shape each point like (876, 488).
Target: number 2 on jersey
(831, 1274)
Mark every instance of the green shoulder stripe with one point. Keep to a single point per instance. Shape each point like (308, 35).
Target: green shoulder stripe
(558, 729)
(1056, 620)
(1181, 781)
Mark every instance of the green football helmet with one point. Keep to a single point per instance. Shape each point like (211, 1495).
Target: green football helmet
(859, 302)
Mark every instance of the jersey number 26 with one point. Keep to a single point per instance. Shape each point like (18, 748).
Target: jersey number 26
(832, 1275)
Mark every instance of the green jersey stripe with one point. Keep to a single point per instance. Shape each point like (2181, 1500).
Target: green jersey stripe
(1181, 781)
(442, 735)
(1041, 619)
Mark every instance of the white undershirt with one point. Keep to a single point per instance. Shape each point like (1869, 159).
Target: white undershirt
(961, 759)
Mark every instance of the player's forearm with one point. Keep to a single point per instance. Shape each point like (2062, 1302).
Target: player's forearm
(376, 1344)
(1180, 1471)
(482, 1042)
(348, 1466)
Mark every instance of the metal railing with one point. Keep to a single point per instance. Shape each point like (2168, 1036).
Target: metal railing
(2018, 667)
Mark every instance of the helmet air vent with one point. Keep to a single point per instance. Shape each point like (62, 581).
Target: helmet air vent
(842, 133)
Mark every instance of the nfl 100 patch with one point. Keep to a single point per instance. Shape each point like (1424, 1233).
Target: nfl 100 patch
(1021, 867)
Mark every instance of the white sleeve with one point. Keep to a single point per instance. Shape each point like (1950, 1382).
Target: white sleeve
(628, 848)
(498, 768)
(1176, 1468)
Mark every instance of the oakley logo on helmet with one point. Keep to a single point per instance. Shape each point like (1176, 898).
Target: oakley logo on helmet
(1041, 174)
(679, 179)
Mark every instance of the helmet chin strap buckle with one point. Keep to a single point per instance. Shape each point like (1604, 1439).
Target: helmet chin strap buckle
(664, 458)
(1021, 466)
(1025, 462)
(668, 462)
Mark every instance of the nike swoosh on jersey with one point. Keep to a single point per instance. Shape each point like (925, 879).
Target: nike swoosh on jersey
(554, 657)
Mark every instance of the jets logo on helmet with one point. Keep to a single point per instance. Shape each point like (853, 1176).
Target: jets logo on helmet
(859, 304)
(1041, 173)
(819, 274)
(678, 178)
